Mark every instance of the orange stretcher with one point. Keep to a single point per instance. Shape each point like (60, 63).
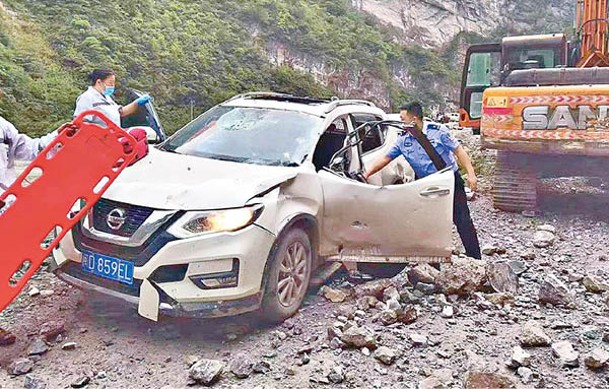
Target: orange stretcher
(55, 191)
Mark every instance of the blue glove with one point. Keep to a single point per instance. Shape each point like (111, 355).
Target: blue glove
(142, 100)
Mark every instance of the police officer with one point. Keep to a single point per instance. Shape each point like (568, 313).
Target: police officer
(98, 97)
(450, 152)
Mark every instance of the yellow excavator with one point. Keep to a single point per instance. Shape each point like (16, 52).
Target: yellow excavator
(542, 102)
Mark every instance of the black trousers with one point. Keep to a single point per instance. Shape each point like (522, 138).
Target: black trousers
(463, 220)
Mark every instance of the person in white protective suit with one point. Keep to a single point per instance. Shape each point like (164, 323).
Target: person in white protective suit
(15, 146)
(98, 97)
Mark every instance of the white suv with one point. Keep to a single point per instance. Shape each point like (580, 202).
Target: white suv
(233, 212)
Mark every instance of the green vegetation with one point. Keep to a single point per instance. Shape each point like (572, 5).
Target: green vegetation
(199, 52)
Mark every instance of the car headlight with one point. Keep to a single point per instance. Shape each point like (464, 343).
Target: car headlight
(210, 222)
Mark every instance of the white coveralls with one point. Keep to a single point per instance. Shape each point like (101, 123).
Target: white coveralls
(92, 99)
(16, 146)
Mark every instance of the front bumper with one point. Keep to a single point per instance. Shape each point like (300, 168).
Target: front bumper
(160, 288)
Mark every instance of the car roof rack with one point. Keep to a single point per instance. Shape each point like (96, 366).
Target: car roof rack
(339, 103)
(279, 97)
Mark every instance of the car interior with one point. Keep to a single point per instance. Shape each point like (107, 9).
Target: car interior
(331, 141)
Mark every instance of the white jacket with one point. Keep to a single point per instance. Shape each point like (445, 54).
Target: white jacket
(16, 146)
(92, 99)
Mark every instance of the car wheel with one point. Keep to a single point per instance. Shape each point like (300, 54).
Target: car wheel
(288, 276)
(381, 270)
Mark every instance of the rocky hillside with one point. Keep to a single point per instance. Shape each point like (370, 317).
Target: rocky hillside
(435, 23)
(200, 53)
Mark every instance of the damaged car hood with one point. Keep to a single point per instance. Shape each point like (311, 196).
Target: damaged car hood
(170, 181)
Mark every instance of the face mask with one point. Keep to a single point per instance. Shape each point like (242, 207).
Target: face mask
(109, 91)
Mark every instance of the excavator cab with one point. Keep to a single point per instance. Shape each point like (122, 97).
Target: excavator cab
(489, 65)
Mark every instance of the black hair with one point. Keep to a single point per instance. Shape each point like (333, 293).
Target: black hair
(414, 109)
(100, 74)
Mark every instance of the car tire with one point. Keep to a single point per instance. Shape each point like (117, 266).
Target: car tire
(381, 270)
(290, 265)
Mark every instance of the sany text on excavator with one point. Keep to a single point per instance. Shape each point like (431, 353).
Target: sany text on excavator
(542, 102)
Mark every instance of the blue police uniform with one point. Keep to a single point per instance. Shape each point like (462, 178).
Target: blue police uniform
(445, 145)
(441, 139)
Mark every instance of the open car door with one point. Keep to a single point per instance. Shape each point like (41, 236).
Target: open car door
(146, 116)
(410, 222)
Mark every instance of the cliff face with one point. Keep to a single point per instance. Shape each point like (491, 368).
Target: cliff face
(434, 23)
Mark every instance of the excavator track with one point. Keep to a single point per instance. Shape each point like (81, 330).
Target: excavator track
(515, 187)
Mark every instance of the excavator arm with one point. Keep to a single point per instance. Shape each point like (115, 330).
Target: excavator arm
(592, 23)
(56, 190)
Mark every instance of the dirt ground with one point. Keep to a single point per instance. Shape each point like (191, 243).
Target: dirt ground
(115, 348)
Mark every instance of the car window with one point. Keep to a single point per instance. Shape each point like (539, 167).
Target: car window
(251, 135)
(332, 140)
(371, 138)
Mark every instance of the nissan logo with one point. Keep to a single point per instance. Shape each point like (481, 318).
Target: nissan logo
(116, 218)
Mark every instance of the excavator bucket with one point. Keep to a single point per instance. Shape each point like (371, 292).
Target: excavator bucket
(56, 190)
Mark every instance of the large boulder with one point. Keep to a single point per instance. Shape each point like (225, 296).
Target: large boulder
(463, 277)
(358, 337)
(373, 288)
(423, 273)
(206, 371)
(554, 292)
(532, 335)
(502, 278)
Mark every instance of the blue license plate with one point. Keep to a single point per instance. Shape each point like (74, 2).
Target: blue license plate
(108, 267)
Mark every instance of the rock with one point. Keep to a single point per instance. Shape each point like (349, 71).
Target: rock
(597, 359)
(565, 352)
(336, 344)
(388, 317)
(20, 366)
(366, 302)
(391, 293)
(373, 288)
(51, 330)
(334, 332)
(479, 380)
(366, 351)
(533, 336)
(206, 371)
(502, 278)
(543, 239)
(554, 292)
(447, 312)
(393, 304)
(525, 374)
(500, 299)
(7, 338)
(408, 314)
(47, 293)
(191, 360)
(518, 267)
(594, 284)
(34, 291)
(37, 347)
(431, 383)
(81, 382)
(423, 273)
(333, 295)
(336, 375)
(547, 227)
(520, 357)
(528, 255)
(33, 382)
(69, 346)
(385, 355)
(359, 337)
(347, 311)
(427, 289)
(418, 340)
(261, 367)
(489, 250)
(241, 366)
(463, 277)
